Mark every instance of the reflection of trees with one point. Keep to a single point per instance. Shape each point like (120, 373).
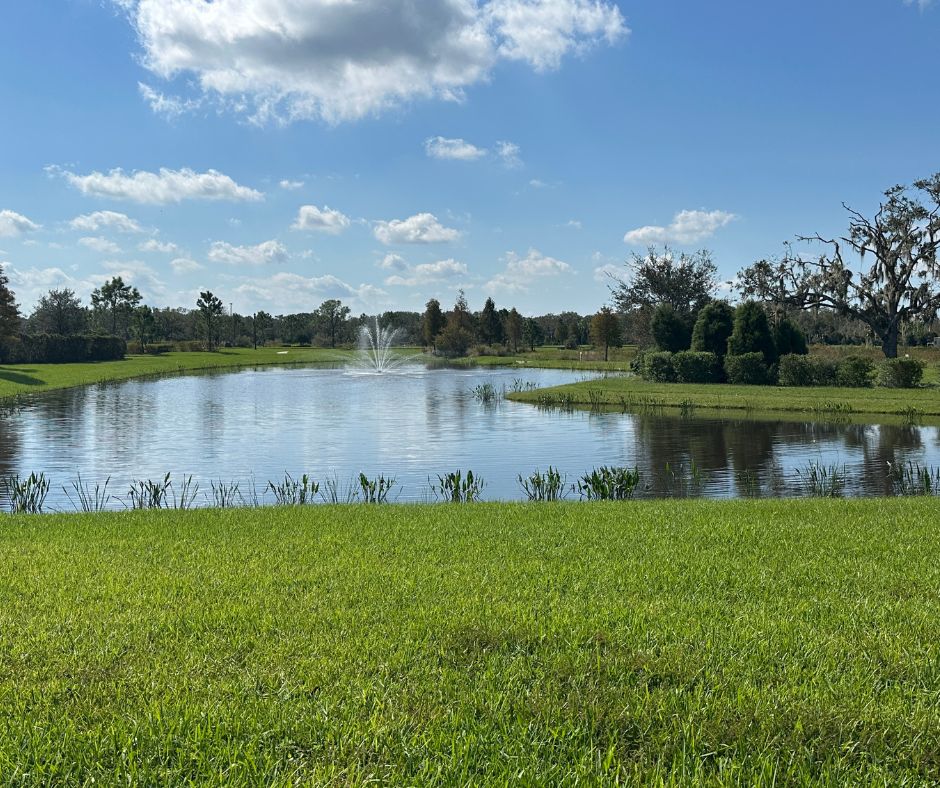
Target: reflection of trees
(9, 444)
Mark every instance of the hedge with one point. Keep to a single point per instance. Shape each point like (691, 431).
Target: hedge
(58, 349)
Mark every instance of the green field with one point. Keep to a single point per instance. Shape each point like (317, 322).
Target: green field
(677, 642)
(632, 393)
(19, 379)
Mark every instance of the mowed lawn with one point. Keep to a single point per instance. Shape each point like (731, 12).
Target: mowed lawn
(678, 642)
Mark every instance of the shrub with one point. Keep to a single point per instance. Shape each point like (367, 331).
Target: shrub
(747, 369)
(693, 367)
(855, 372)
(789, 339)
(658, 367)
(752, 333)
(798, 370)
(58, 349)
(713, 328)
(453, 341)
(669, 329)
(900, 373)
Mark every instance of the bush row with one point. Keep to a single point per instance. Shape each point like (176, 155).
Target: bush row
(58, 349)
(793, 370)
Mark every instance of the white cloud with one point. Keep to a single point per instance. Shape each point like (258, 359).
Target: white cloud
(603, 273)
(286, 292)
(426, 273)
(521, 272)
(393, 262)
(509, 153)
(262, 254)
(98, 244)
(574, 224)
(136, 273)
(422, 228)
(13, 224)
(687, 227)
(153, 245)
(336, 59)
(460, 149)
(33, 283)
(291, 185)
(923, 5)
(183, 265)
(105, 220)
(166, 186)
(324, 220)
(168, 106)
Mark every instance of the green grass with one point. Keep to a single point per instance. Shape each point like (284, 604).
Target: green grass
(750, 643)
(552, 358)
(19, 379)
(632, 393)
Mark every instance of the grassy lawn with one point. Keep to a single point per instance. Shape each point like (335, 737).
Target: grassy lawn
(674, 642)
(19, 379)
(631, 393)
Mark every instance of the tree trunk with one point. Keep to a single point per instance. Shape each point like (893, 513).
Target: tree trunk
(889, 342)
(606, 349)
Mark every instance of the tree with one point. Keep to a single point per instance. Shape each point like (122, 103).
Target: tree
(58, 312)
(685, 283)
(671, 331)
(144, 325)
(788, 338)
(259, 327)
(332, 314)
(9, 311)
(513, 329)
(606, 330)
(118, 299)
(713, 328)
(491, 327)
(532, 333)
(752, 333)
(900, 283)
(432, 322)
(460, 315)
(210, 307)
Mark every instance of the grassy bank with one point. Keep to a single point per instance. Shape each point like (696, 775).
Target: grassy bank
(631, 393)
(682, 642)
(19, 379)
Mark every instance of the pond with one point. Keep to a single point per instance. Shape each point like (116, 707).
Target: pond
(255, 425)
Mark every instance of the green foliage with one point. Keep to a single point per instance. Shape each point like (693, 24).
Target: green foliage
(454, 487)
(115, 301)
(375, 490)
(747, 369)
(696, 367)
(609, 484)
(670, 329)
(454, 340)
(210, 308)
(713, 328)
(9, 311)
(798, 370)
(914, 479)
(752, 333)
(57, 349)
(294, 492)
(26, 496)
(855, 372)
(606, 330)
(822, 481)
(491, 327)
(683, 281)
(788, 338)
(900, 373)
(432, 323)
(548, 486)
(658, 367)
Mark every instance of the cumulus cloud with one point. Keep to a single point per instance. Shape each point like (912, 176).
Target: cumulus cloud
(923, 5)
(183, 265)
(261, 254)
(509, 153)
(13, 224)
(159, 188)
(687, 227)
(105, 220)
(460, 149)
(426, 273)
(393, 262)
(291, 185)
(422, 228)
(285, 292)
(30, 284)
(288, 59)
(99, 244)
(168, 106)
(324, 220)
(134, 272)
(603, 273)
(521, 272)
(153, 245)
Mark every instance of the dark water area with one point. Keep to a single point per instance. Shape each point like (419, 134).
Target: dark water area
(252, 426)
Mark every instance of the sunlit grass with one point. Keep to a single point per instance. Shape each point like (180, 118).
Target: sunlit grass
(676, 642)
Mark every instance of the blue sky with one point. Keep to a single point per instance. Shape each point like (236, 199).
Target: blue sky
(281, 152)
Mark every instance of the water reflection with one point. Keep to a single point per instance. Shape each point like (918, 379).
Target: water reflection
(415, 425)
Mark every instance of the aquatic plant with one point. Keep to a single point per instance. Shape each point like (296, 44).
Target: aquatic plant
(294, 492)
(375, 490)
(89, 499)
(609, 484)
(225, 495)
(822, 481)
(914, 479)
(26, 496)
(456, 488)
(548, 486)
(485, 393)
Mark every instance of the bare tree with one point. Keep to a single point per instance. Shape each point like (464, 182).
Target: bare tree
(892, 279)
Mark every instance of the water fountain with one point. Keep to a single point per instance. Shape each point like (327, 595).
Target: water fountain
(376, 352)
